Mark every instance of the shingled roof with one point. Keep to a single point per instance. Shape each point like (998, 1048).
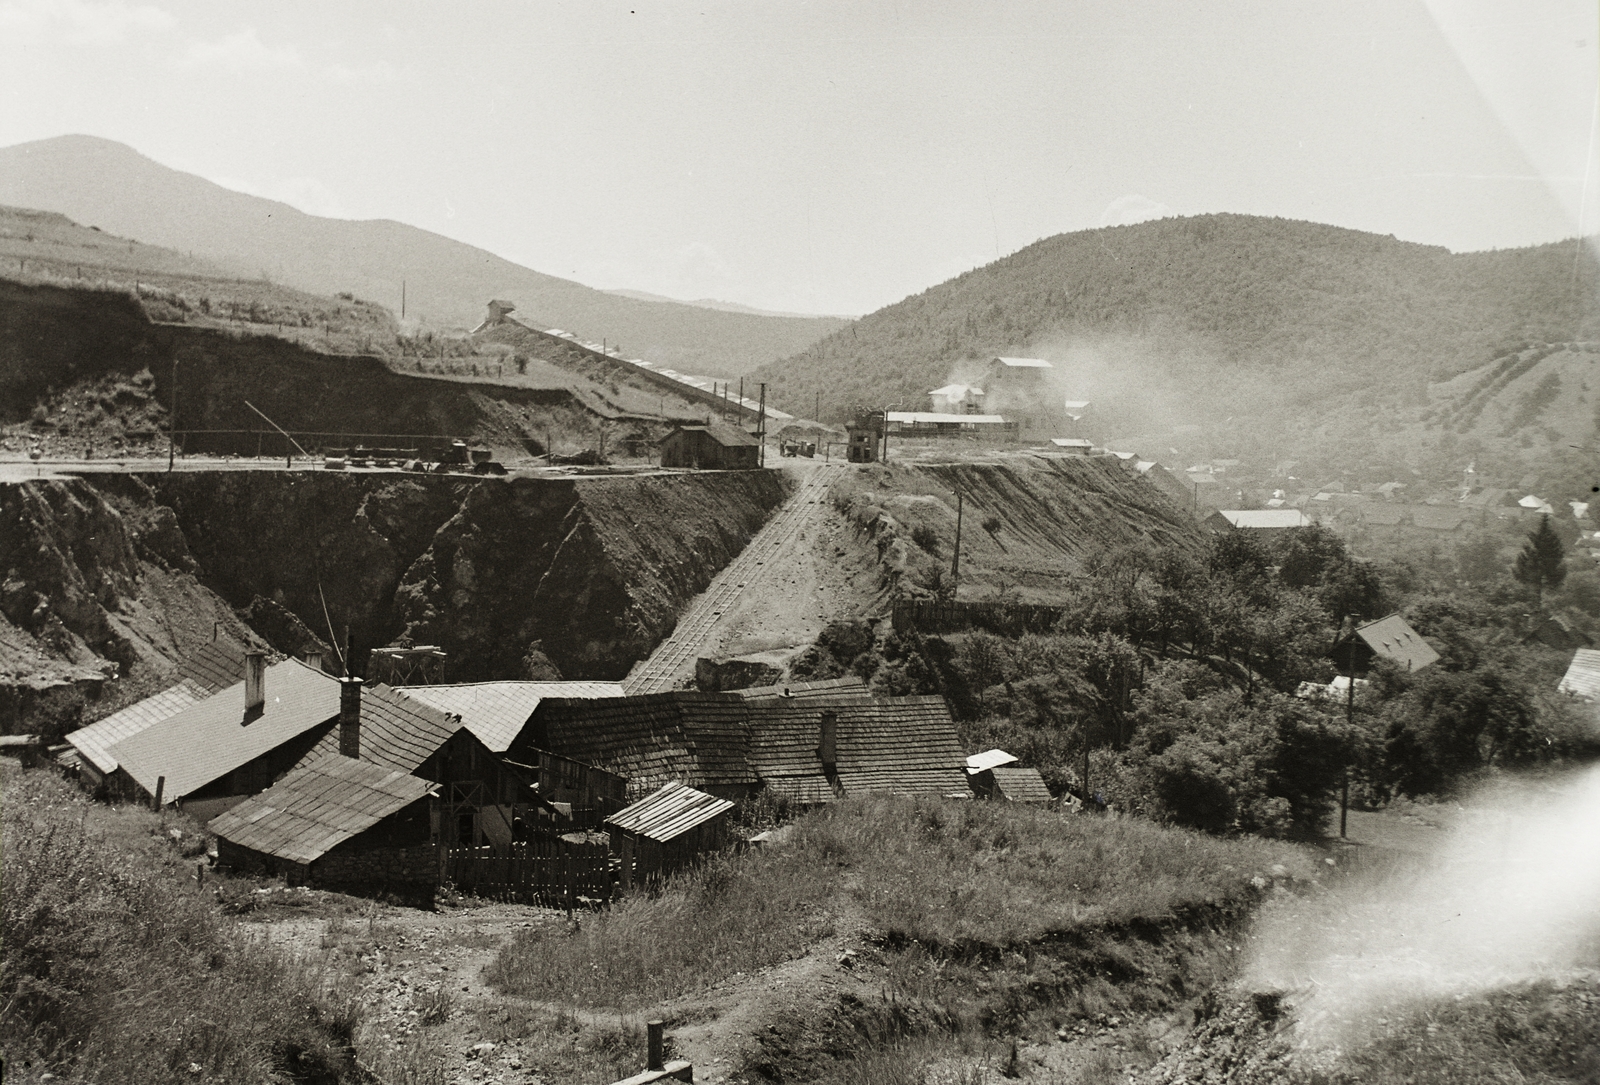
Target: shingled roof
(1020, 784)
(316, 807)
(396, 732)
(497, 711)
(823, 689)
(899, 745)
(213, 737)
(652, 740)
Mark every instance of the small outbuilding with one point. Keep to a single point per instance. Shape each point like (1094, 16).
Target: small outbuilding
(1556, 632)
(996, 776)
(713, 446)
(1390, 638)
(666, 831)
(1582, 679)
(338, 823)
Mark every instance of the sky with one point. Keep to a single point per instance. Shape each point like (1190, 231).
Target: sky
(836, 157)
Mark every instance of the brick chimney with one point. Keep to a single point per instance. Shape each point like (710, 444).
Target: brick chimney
(828, 747)
(350, 717)
(255, 683)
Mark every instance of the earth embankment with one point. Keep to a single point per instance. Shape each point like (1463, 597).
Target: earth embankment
(130, 569)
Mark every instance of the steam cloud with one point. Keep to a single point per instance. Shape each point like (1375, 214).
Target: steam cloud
(1512, 893)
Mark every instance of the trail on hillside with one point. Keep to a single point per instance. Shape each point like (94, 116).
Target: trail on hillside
(760, 569)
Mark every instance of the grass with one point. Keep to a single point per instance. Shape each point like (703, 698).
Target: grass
(119, 967)
(997, 874)
(731, 915)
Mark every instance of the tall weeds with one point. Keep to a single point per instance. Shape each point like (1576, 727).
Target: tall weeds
(116, 967)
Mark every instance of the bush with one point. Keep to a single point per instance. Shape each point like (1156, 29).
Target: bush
(118, 968)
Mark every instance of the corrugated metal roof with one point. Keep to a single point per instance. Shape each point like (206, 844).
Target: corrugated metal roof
(825, 689)
(978, 762)
(1266, 518)
(93, 742)
(396, 732)
(497, 711)
(209, 739)
(700, 738)
(1583, 675)
(1021, 784)
(669, 812)
(316, 807)
(1393, 638)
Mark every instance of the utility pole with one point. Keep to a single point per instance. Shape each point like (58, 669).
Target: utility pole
(761, 420)
(955, 560)
(172, 420)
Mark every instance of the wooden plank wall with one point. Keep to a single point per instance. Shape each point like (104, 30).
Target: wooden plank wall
(546, 871)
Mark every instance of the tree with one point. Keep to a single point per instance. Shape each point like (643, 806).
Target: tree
(1542, 563)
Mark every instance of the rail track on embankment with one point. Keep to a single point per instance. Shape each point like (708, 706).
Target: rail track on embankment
(673, 660)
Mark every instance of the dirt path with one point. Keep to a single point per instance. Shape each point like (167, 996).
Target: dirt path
(795, 576)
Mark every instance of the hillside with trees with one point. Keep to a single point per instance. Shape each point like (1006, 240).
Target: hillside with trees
(1277, 337)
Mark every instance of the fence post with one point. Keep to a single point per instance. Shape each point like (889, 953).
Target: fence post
(161, 786)
(655, 1051)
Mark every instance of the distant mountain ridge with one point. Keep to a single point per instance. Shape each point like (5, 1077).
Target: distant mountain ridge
(107, 184)
(1264, 332)
(720, 306)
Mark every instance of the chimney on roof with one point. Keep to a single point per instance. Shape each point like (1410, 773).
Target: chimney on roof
(828, 747)
(255, 682)
(350, 717)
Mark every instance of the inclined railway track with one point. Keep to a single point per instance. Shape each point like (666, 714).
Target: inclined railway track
(674, 657)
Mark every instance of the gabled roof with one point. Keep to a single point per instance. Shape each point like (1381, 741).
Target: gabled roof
(1265, 518)
(1021, 784)
(1394, 639)
(956, 390)
(397, 732)
(213, 667)
(669, 812)
(725, 435)
(653, 739)
(1436, 517)
(1024, 363)
(982, 762)
(93, 742)
(315, 807)
(1583, 675)
(825, 689)
(497, 711)
(899, 745)
(211, 738)
(1073, 442)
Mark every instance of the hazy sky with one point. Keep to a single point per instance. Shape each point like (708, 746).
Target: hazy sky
(834, 157)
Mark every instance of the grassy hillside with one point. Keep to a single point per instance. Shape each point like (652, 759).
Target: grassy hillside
(1264, 332)
(111, 186)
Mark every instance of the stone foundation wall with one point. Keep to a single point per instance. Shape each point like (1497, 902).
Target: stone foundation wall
(402, 870)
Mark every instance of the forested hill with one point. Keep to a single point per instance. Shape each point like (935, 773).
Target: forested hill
(1196, 319)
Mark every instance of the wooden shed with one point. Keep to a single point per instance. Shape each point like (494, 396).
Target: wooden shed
(666, 831)
(713, 447)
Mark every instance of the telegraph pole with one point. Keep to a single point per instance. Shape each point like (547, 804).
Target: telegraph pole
(172, 421)
(761, 420)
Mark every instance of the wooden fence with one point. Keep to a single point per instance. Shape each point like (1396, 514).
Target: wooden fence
(1005, 618)
(543, 871)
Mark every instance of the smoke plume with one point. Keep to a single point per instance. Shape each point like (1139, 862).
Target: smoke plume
(1511, 893)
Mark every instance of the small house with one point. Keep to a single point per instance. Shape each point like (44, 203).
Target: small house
(220, 750)
(1557, 632)
(1081, 446)
(714, 446)
(339, 823)
(498, 711)
(996, 776)
(957, 399)
(667, 830)
(1582, 679)
(204, 672)
(1390, 638)
(1257, 520)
